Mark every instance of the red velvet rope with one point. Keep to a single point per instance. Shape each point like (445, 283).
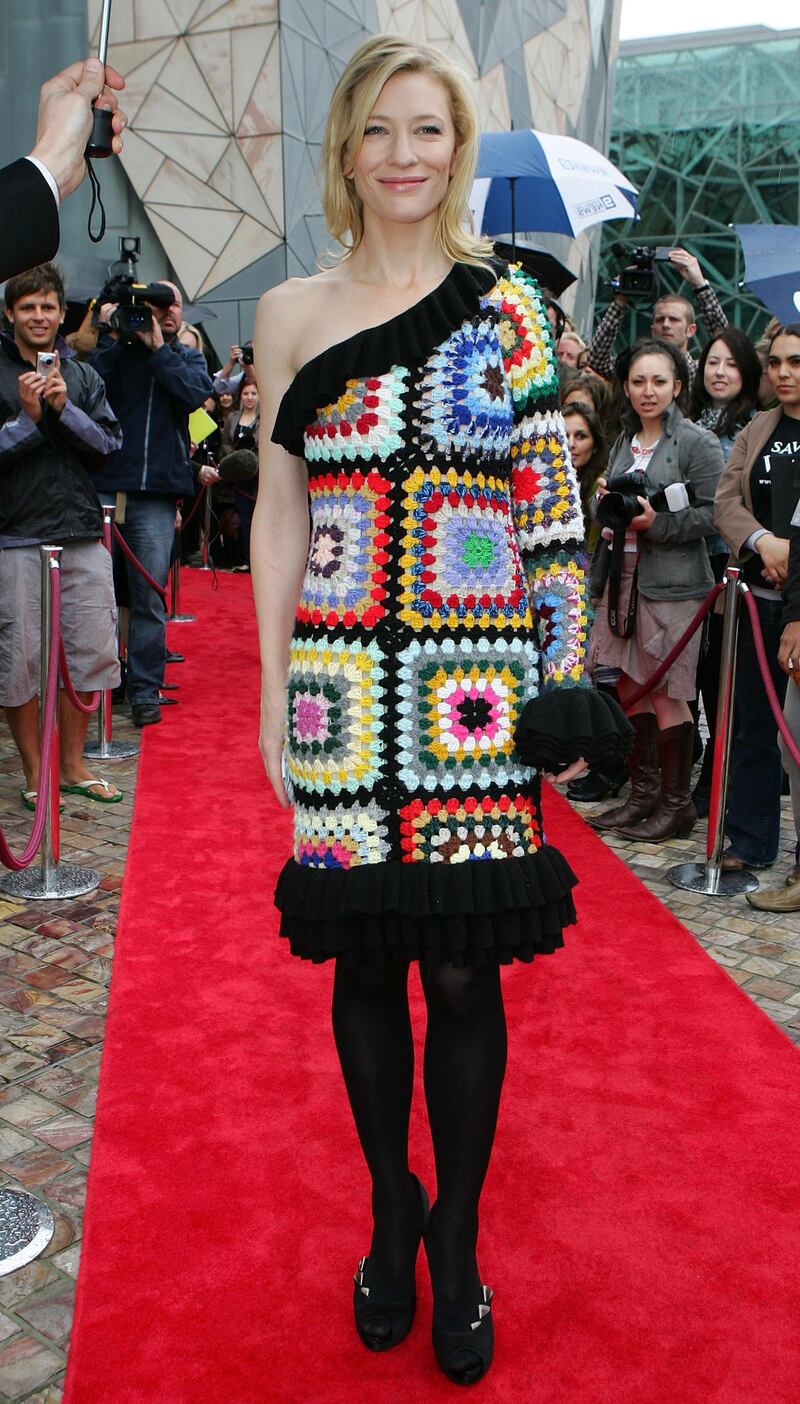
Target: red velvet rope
(766, 678)
(159, 589)
(7, 858)
(664, 667)
(85, 707)
(199, 498)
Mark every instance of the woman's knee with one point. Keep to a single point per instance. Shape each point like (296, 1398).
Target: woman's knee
(368, 980)
(459, 991)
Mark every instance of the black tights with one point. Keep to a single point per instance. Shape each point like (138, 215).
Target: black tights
(465, 1059)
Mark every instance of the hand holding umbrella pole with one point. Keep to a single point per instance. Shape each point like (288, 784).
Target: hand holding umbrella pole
(100, 142)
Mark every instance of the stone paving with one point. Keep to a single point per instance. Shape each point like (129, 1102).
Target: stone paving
(55, 966)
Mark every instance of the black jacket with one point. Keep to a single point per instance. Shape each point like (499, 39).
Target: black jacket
(28, 219)
(153, 392)
(47, 470)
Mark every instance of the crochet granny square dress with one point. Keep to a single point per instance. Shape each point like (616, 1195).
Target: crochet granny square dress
(444, 587)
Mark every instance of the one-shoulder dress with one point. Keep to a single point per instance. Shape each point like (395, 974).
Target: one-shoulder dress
(444, 587)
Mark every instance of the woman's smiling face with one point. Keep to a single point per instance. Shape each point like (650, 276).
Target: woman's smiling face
(722, 378)
(408, 150)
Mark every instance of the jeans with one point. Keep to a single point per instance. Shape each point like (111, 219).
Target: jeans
(149, 529)
(753, 818)
(791, 711)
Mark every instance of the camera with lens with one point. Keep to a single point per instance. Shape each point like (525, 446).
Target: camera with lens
(135, 301)
(618, 507)
(639, 277)
(247, 354)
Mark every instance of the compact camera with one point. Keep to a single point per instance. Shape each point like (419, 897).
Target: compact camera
(46, 363)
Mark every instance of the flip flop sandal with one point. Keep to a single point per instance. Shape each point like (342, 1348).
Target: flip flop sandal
(28, 798)
(84, 788)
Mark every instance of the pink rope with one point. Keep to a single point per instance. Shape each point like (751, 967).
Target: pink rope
(7, 858)
(766, 678)
(664, 667)
(159, 589)
(85, 707)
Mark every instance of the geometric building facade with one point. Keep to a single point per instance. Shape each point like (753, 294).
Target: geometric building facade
(227, 100)
(708, 127)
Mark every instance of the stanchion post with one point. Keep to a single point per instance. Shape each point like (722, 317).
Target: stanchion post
(175, 616)
(50, 850)
(207, 531)
(105, 747)
(709, 877)
(54, 878)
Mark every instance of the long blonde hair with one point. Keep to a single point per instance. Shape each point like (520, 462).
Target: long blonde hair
(354, 97)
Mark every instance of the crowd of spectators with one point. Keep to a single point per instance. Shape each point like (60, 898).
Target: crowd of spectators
(698, 443)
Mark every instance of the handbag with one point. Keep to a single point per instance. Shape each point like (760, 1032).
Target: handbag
(567, 724)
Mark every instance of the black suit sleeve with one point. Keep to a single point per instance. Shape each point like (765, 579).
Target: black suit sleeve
(29, 229)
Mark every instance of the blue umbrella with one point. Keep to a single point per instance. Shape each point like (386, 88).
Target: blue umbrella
(546, 184)
(772, 266)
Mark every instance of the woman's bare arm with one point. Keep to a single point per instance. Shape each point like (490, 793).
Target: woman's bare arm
(280, 530)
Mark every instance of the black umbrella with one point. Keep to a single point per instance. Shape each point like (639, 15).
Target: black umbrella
(545, 267)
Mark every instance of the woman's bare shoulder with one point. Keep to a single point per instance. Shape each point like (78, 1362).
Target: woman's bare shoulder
(297, 312)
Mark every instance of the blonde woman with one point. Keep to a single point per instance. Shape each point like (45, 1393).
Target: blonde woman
(409, 411)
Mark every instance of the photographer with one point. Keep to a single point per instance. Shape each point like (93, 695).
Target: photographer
(154, 383)
(56, 431)
(656, 507)
(673, 318)
(237, 371)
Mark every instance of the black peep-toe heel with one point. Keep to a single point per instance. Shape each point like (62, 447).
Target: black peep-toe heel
(465, 1354)
(463, 1351)
(380, 1321)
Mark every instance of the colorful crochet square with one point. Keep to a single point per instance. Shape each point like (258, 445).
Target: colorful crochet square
(558, 595)
(334, 708)
(460, 564)
(365, 422)
(528, 352)
(464, 397)
(345, 581)
(458, 703)
(468, 830)
(544, 489)
(343, 837)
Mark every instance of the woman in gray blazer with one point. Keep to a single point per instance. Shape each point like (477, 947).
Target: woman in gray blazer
(663, 472)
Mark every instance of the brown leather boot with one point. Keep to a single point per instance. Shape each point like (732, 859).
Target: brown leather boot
(644, 770)
(674, 816)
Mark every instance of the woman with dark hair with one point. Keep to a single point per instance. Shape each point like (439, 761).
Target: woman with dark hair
(725, 392)
(756, 499)
(589, 454)
(724, 398)
(657, 572)
(585, 388)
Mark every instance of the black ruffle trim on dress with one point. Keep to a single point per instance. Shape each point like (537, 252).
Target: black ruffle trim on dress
(403, 340)
(473, 913)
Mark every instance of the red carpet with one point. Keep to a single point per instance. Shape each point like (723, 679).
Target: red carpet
(641, 1223)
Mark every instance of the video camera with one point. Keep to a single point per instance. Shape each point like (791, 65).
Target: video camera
(135, 301)
(639, 277)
